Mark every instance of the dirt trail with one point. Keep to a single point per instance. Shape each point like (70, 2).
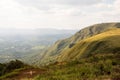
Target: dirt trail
(28, 74)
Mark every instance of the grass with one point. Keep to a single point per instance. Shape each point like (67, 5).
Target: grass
(97, 57)
(99, 66)
(11, 74)
(8, 75)
(106, 42)
(65, 46)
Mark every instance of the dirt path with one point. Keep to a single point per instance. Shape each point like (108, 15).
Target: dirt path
(28, 74)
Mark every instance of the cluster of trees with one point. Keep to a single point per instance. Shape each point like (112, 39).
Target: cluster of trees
(12, 65)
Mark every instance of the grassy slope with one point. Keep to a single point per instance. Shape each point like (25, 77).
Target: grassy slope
(62, 45)
(92, 66)
(97, 67)
(107, 42)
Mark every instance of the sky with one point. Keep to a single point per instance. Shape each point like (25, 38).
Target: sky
(61, 14)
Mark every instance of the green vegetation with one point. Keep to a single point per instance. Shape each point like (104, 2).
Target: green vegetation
(94, 58)
(11, 69)
(9, 75)
(64, 46)
(91, 54)
(99, 66)
(106, 42)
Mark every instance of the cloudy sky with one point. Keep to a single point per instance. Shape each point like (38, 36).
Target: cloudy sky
(68, 14)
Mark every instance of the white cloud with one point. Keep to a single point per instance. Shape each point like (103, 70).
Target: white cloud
(113, 14)
(58, 2)
(57, 13)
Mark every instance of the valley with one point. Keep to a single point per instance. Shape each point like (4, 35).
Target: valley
(59, 39)
(23, 44)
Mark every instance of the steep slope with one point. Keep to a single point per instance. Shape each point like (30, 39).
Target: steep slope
(62, 45)
(93, 58)
(106, 42)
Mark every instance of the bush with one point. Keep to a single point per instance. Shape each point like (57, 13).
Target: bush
(12, 65)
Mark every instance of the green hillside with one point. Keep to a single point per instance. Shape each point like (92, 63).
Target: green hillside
(94, 58)
(90, 58)
(51, 54)
(107, 42)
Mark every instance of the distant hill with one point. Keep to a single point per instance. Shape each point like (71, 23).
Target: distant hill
(61, 46)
